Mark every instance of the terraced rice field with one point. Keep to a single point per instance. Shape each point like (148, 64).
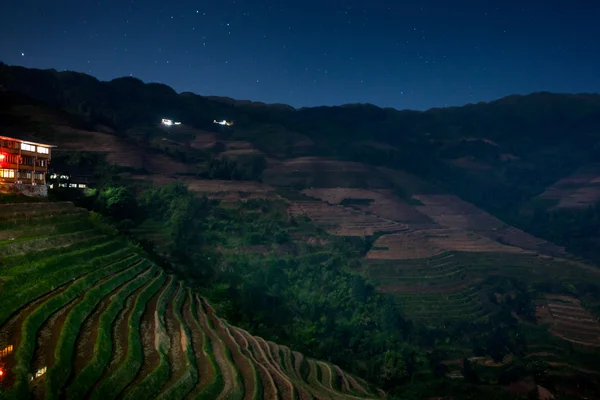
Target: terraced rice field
(118, 151)
(228, 191)
(448, 286)
(383, 203)
(431, 242)
(568, 320)
(324, 172)
(436, 288)
(580, 190)
(452, 212)
(86, 315)
(343, 221)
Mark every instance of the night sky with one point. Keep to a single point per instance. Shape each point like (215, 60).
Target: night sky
(402, 54)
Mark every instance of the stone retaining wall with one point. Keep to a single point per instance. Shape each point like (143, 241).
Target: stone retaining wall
(26, 190)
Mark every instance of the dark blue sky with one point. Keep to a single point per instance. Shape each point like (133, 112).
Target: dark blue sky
(403, 54)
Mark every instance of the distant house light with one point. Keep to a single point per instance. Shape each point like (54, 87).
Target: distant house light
(224, 122)
(169, 122)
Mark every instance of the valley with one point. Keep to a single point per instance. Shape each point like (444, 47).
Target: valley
(428, 255)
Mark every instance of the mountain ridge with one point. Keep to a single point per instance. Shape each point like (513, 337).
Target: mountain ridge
(436, 208)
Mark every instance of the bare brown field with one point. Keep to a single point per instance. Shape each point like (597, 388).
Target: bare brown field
(203, 140)
(377, 145)
(239, 152)
(235, 148)
(581, 189)
(219, 186)
(421, 288)
(323, 164)
(384, 205)
(343, 221)
(568, 320)
(324, 172)
(453, 212)
(431, 242)
(118, 151)
(470, 164)
(217, 189)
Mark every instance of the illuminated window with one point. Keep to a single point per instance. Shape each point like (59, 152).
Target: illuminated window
(7, 173)
(6, 351)
(81, 186)
(42, 150)
(39, 373)
(27, 147)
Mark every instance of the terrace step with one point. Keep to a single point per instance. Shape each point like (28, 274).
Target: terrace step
(232, 386)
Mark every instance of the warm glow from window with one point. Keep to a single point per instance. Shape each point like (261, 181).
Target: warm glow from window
(6, 351)
(27, 147)
(7, 173)
(43, 150)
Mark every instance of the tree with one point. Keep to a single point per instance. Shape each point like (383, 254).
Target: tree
(469, 372)
(118, 202)
(394, 367)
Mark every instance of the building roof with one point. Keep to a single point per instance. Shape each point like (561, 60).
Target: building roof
(23, 137)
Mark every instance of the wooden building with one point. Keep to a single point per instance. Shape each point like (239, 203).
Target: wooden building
(24, 160)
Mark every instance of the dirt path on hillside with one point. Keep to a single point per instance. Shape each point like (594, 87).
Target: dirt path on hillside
(206, 375)
(240, 360)
(243, 338)
(10, 334)
(84, 345)
(355, 385)
(343, 379)
(119, 336)
(176, 354)
(45, 347)
(290, 372)
(284, 385)
(218, 347)
(326, 375)
(149, 336)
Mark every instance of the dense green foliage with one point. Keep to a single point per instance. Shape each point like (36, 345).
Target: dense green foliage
(245, 168)
(576, 229)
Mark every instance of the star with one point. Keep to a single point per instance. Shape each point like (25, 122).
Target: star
(22, 54)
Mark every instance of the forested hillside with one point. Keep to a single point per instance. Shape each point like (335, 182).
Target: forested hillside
(432, 253)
